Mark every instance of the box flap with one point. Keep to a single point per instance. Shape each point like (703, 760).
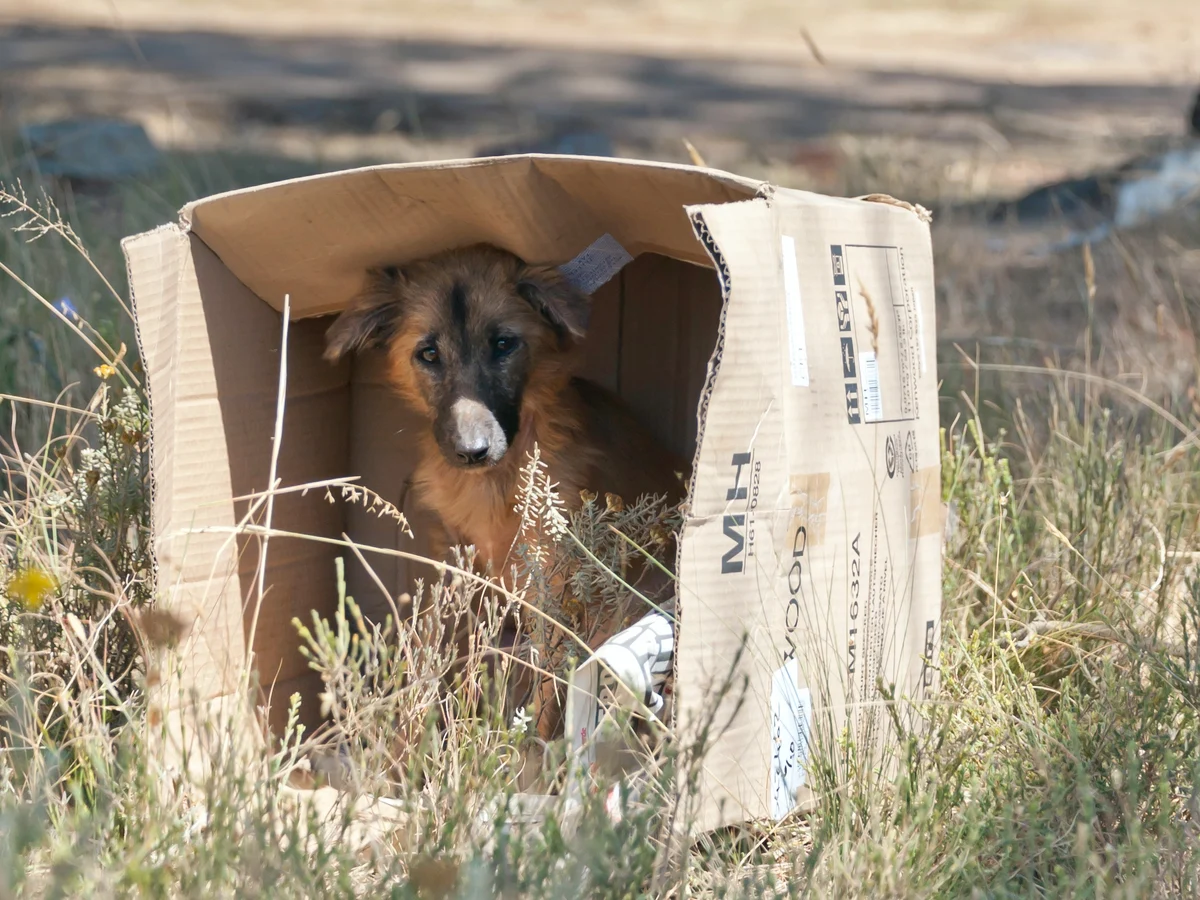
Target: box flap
(190, 472)
(314, 237)
(812, 532)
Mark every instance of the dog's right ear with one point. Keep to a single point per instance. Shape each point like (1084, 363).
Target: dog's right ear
(370, 319)
(564, 306)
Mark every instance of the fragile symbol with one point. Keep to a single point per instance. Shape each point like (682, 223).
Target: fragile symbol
(843, 310)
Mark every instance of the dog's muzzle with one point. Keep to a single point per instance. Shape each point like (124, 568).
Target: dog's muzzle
(477, 437)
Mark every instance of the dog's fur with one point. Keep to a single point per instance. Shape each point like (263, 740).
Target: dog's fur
(485, 347)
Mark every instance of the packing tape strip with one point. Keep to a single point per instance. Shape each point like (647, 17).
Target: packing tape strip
(926, 511)
(596, 265)
(809, 496)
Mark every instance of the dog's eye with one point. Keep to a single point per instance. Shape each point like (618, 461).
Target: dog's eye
(505, 345)
(428, 354)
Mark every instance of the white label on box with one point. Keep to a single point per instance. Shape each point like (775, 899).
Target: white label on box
(797, 347)
(872, 400)
(596, 265)
(791, 726)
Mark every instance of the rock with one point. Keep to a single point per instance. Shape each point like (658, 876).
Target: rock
(1139, 191)
(1150, 188)
(91, 149)
(1086, 202)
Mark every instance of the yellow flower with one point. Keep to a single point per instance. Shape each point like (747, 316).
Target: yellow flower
(105, 371)
(30, 587)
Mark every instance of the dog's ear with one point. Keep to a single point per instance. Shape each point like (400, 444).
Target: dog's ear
(370, 319)
(564, 306)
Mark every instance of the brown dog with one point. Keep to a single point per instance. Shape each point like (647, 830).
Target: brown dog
(485, 347)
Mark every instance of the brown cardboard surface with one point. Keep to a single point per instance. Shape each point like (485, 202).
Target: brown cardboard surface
(211, 353)
(313, 237)
(792, 333)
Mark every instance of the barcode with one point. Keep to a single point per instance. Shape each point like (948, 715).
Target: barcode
(872, 400)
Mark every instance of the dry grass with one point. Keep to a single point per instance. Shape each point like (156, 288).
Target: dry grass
(1060, 760)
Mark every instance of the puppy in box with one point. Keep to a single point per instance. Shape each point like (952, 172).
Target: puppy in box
(484, 346)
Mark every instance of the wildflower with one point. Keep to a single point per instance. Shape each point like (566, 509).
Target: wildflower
(572, 606)
(521, 720)
(538, 502)
(30, 587)
(105, 371)
(67, 308)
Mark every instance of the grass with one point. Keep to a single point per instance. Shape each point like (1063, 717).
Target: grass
(1059, 760)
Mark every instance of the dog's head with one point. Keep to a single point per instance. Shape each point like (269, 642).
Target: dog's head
(467, 333)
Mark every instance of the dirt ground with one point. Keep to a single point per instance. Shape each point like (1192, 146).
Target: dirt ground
(997, 94)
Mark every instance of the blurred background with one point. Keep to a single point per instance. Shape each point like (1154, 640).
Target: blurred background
(1029, 127)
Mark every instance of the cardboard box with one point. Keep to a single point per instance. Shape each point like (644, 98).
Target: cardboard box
(791, 334)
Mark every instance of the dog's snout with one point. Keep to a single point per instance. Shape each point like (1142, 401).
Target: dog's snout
(471, 454)
(476, 437)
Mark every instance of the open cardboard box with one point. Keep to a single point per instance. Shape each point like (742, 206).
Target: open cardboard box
(782, 339)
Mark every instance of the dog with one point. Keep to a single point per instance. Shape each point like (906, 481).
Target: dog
(485, 347)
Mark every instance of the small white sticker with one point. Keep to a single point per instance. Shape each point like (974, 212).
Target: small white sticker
(872, 400)
(920, 328)
(791, 726)
(596, 265)
(797, 347)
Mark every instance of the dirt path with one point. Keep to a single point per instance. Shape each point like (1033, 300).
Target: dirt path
(1043, 88)
(1152, 41)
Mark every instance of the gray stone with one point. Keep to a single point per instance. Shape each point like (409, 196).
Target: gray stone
(94, 149)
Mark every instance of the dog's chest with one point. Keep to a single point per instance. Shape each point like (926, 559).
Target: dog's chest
(474, 511)
(481, 510)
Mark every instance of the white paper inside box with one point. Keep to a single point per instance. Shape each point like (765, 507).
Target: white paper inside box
(783, 340)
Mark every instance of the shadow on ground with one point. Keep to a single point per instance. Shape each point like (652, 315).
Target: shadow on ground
(446, 91)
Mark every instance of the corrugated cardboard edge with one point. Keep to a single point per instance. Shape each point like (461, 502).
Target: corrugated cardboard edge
(915, 208)
(147, 394)
(696, 217)
(712, 371)
(177, 735)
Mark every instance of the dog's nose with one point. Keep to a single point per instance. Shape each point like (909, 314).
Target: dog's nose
(475, 436)
(473, 453)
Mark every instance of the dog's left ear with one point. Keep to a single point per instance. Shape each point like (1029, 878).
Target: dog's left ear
(564, 306)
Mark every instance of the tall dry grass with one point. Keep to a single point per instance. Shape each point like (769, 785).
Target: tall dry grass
(1060, 758)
